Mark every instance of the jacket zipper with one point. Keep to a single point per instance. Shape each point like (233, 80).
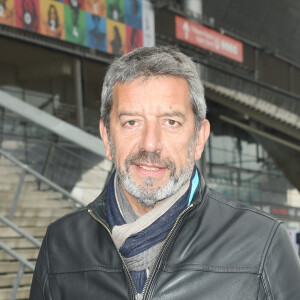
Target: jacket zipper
(150, 279)
(154, 269)
(126, 268)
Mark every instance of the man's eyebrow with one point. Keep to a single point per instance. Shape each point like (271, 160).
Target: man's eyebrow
(167, 114)
(127, 113)
(174, 114)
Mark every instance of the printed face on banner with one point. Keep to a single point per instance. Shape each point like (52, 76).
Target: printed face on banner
(52, 19)
(75, 4)
(134, 38)
(75, 27)
(133, 13)
(116, 37)
(96, 7)
(96, 32)
(27, 14)
(7, 13)
(115, 10)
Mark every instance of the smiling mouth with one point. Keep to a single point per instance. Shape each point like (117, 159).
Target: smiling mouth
(149, 168)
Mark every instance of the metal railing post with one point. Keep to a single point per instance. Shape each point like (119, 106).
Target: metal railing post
(17, 195)
(2, 125)
(17, 282)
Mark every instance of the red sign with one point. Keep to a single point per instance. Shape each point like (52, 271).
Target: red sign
(279, 211)
(208, 39)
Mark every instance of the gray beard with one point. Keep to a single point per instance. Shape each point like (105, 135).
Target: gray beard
(145, 193)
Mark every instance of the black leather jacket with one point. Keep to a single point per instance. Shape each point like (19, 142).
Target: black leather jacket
(217, 249)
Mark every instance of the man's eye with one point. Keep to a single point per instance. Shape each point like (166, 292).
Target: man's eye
(131, 123)
(172, 123)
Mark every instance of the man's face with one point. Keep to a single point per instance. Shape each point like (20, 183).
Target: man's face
(152, 139)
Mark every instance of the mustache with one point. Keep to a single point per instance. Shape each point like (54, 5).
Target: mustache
(151, 158)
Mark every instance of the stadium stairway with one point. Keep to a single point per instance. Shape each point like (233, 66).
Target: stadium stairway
(38, 205)
(29, 201)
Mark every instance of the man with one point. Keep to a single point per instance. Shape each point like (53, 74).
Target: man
(157, 231)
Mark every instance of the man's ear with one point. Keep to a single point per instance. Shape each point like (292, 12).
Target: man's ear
(104, 136)
(202, 137)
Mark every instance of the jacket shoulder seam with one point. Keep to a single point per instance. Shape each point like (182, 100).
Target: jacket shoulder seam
(70, 214)
(268, 245)
(246, 208)
(266, 285)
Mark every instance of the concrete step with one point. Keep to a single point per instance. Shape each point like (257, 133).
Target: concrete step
(37, 213)
(11, 267)
(29, 254)
(15, 178)
(30, 193)
(12, 187)
(8, 280)
(18, 243)
(23, 293)
(42, 203)
(6, 232)
(29, 222)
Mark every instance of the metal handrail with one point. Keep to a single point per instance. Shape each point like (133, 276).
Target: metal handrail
(20, 231)
(17, 256)
(42, 178)
(23, 263)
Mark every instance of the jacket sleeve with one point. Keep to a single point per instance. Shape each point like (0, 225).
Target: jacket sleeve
(281, 270)
(39, 286)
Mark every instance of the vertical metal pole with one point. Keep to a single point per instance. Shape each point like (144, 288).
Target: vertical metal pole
(292, 85)
(49, 153)
(26, 143)
(2, 126)
(256, 64)
(78, 92)
(17, 282)
(17, 195)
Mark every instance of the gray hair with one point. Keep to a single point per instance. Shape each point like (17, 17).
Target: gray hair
(150, 62)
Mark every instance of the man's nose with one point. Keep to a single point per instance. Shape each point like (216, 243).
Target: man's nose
(151, 139)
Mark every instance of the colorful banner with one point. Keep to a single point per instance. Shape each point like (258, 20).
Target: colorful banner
(112, 26)
(52, 19)
(133, 13)
(116, 37)
(96, 7)
(28, 14)
(7, 12)
(208, 39)
(115, 10)
(96, 32)
(134, 38)
(75, 25)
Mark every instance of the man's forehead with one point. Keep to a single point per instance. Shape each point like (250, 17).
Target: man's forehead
(170, 91)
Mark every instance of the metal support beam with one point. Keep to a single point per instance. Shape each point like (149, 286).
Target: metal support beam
(17, 195)
(78, 92)
(53, 124)
(260, 132)
(17, 282)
